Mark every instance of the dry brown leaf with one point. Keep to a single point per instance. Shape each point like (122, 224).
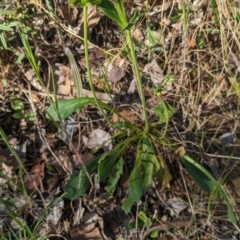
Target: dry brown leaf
(116, 73)
(55, 212)
(33, 179)
(33, 80)
(87, 230)
(167, 175)
(96, 57)
(155, 72)
(153, 101)
(138, 35)
(7, 172)
(217, 120)
(84, 158)
(1, 85)
(93, 18)
(127, 114)
(61, 78)
(191, 43)
(99, 137)
(124, 182)
(181, 151)
(68, 14)
(148, 92)
(53, 183)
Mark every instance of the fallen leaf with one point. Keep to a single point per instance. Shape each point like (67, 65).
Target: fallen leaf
(167, 177)
(7, 172)
(88, 230)
(124, 182)
(116, 74)
(227, 139)
(15, 225)
(68, 14)
(62, 77)
(55, 212)
(192, 43)
(84, 158)
(138, 35)
(155, 72)
(93, 17)
(127, 114)
(99, 137)
(70, 125)
(33, 179)
(178, 205)
(96, 57)
(132, 87)
(181, 151)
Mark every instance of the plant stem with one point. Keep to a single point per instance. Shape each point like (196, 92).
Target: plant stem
(89, 75)
(138, 77)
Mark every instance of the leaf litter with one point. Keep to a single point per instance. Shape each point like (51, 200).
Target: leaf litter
(203, 93)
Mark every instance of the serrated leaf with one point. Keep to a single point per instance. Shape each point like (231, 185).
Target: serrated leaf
(135, 185)
(164, 111)
(115, 176)
(66, 107)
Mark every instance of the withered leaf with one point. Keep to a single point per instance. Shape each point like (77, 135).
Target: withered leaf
(33, 179)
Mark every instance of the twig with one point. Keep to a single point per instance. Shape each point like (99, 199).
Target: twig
(171, 225)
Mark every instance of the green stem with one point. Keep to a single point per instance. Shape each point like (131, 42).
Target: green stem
(138, 77)
(89, 75)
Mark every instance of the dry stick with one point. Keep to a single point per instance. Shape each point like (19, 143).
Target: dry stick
(171, 225)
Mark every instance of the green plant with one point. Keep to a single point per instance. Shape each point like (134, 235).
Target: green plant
(18, 107)
(143, 222)
(24, 230)
(148, 163)
(7, 28)
(201, 41)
